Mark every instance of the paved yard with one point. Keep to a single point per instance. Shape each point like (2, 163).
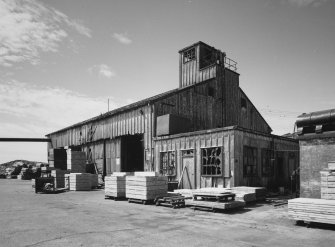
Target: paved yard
(87, 219)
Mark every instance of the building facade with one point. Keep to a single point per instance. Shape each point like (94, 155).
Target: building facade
(144, 136)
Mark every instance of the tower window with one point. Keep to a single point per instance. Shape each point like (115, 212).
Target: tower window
(243, 103)
(189, 55)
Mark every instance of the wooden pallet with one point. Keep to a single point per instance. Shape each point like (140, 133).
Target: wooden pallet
(115, 198)
(214, 196)
(175, 201)
(214, 206)
(141, 201)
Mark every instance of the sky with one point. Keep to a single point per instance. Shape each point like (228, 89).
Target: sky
(61, 61)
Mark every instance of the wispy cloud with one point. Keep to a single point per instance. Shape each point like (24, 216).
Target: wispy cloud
(304, 3)
(28, 28)
(122, 38)
(102, 70)
(28, 110)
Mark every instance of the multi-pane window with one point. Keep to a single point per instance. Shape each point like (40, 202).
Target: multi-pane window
(189, 55)
(249, 161)
(168, 163)
(207, 57)
(211, 164)
(267, 163)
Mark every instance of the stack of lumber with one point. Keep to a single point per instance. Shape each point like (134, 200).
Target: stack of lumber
(328, 185)
(312, 210)
(214, 205)
(94, 180)
(187, 193)
(115, 185)
(59, 176)
(260, 192)
(76, 161)
(80, 181)
(146, 188)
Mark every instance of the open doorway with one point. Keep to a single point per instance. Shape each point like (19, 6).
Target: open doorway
(132, 157)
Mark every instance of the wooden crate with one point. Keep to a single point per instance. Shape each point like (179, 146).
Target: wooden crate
(312, 210)
(115, 186)
(80, 181)
(59, 176)
(146, 187)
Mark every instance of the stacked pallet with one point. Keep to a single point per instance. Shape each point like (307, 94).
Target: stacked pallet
(146, 188)
(80, 181)
(115, 185)
(59, 176)
(214, 205)
(312, 210)
(328, 182)
(260, 192)
(94, 180)
(76, 161)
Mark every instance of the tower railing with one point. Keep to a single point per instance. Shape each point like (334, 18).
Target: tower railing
(230, 63)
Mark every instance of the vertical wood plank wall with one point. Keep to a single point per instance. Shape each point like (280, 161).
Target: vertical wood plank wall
(232, 142)
(281, 147)
(224, 139)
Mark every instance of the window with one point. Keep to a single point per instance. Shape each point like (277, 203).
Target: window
(267, 163)
(168, 163)
(249, 161)
(243, 103)
(211, 164)
(207, 57)
(189, 55)
(211, 92)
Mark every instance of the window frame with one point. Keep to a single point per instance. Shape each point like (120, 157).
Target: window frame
(189, 55)
(212, 164)
(164, 171)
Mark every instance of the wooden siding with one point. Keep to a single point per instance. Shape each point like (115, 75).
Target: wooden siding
(250, 118)
(204, 111)
(190, 72)
(232, 141)
(224, 139)
(282, 148)
(130, 122)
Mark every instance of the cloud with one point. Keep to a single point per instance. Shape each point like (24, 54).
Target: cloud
(304, 3)
(102, 70)
(122, 38)
(28, 28)
(27, 110)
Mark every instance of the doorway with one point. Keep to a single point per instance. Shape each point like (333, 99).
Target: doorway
(132, 157)
(188, 167)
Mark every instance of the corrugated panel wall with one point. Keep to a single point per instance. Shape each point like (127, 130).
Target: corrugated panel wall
(131, 122)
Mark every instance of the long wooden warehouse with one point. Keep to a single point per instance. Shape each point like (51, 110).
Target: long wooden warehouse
(208, 124)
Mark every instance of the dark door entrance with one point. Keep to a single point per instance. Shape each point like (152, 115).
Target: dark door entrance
(132, 158)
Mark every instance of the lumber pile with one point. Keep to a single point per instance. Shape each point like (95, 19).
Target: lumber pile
(59, 176)
(115, 185)
(214, 205)
(312, 210)
(94, 180)
(80, 181)
(328, 182)
(76, 161)
(146, 187)
(260, 192)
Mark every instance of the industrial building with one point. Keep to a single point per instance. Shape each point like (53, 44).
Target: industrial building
(316, 135)
(206, 133)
